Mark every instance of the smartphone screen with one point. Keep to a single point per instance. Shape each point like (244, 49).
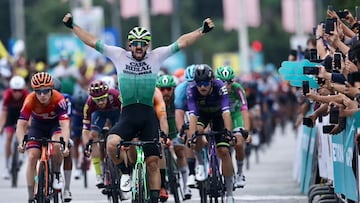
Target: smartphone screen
(306, 87)
(337, 60)
(330, 8)
(357, 9)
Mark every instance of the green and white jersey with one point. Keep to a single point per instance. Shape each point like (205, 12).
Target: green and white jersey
(238, 103)
(137, 78)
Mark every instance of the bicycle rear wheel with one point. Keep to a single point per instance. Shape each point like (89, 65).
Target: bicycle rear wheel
(84, 170)
(14, 165)
(202, 190)
(41, 184)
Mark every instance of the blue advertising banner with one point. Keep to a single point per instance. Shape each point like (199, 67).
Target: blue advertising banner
(350, 181)
(308, 146)
(338, 162)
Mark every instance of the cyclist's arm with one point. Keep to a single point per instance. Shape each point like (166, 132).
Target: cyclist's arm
(245, 114)
(21, 128)
(179, 118)
(65, 130)
(160, 109)
(3, 119)
(190, 38)
(227, 120)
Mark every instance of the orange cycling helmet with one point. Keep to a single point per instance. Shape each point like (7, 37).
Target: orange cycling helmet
(98, 88)
(42, 79)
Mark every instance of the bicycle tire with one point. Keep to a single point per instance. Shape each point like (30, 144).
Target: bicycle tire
(173, 181)
(114, 188)
(202, 191)
(41, 184)
(14, 165)
(215, 180)
(84, 170)
(140, 193)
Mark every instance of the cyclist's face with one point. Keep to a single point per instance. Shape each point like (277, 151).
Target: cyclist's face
(138, 49)
(43, 95)
(101, 103)
(17, 93)
(203, 87)
(167, 92)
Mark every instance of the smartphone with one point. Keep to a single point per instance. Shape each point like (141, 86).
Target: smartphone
(327, 63)
(310, 70)
(330, 8)
(334, 114)
(328, 128)
(308, 122)
(305, 87)
(342, 14)
(357, 10)
(337, 60)
(329, 25)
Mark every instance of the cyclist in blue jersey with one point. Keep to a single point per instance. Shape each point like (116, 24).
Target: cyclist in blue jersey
(181, 118)
(67, 165)
(208, 102)
(137, 73)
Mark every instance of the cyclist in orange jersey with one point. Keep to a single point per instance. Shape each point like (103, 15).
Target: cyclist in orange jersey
(47, 109)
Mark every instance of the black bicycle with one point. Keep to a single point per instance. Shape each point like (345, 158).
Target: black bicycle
(173, 172)
(111, 173)
(213, 186)
(15, 164)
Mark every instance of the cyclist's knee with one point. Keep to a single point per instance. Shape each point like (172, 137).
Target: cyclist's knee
(223, 152)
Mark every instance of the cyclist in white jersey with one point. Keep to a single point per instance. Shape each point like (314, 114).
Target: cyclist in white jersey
(137, 73)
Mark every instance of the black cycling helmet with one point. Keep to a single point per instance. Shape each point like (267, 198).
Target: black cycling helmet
(203, 72)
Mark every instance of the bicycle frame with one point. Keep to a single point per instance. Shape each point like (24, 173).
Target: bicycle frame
(140, 160)
(45, 160)
(140, 167)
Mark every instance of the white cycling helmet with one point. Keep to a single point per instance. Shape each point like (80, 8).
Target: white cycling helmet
(17, 83)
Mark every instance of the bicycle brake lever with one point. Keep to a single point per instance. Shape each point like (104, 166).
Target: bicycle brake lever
(62, 142)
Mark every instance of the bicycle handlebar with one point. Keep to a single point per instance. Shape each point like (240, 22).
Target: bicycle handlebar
(224, 132)
(135, 143)
(44, 141)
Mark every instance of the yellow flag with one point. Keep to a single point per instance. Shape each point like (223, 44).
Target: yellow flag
(3, 52)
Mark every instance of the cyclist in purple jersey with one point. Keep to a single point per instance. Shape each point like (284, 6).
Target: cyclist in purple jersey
(102, 104)
(208, 101)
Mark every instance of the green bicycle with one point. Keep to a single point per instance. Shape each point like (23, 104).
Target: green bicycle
(140, 192)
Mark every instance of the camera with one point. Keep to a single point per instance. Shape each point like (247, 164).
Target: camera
(334, 114)
(310, 70)
(305, 87)
(329, 25)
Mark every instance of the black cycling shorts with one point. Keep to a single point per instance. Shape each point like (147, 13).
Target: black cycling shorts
(217, 121)
(138, 120)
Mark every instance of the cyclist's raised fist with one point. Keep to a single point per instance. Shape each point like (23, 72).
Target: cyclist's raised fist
(68, 20)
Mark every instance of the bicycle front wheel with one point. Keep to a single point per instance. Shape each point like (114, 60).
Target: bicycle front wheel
(14, 165)
(172, 176)
(41, 184)
(140, 186)
(114, 187)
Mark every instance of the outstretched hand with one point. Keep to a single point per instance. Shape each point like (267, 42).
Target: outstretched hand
(68, 20)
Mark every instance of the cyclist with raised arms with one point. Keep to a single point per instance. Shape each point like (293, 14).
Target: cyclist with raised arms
(102, 104)
(137, 73)
(240, 118)
(13, 99)
(167, 84)
(47, 109)
(181, 118)
(208, 101)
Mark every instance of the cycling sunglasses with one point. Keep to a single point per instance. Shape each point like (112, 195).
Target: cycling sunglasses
(227, 82)
(99, 99)
(136, 43)
(166, 88)
(42, 91)
(203, 83)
